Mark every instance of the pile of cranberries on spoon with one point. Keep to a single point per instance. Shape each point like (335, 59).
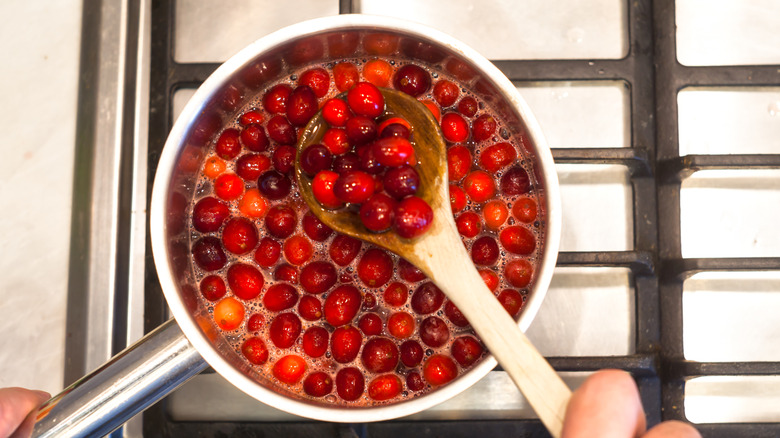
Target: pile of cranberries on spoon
(328, 317)
(366, 160)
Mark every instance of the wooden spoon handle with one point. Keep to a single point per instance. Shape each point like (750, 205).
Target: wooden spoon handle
(537, 380)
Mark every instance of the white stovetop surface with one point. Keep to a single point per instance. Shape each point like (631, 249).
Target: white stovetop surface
(39, 44)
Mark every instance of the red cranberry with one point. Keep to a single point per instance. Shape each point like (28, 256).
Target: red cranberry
(284, 158)
(400, 325)
(396, 294)
(365, 99)
(317, 277)
(297, 249)
(336, 140)
(525, 210)
(518, 240)
(380, 355)
(375, 267)
(252, 116)
(251, 166)
(401, 182)
(315, 341)
(336, 112)
(208, 214)
(280, 296)
(457, 198)
(342, 304)
(322, 188)
(268, 252)
(286, 273)
(395, 130)
(409, 273)
(392, 151)
(479, 186)
(446, 93)
(376, 213)
(454, 314)
(439, 369)
(254, 138)
(484, 251)
(413, 217)
(284, 330)
(280, 221)
(317, 79)
(384, 387)
(414, 381)
(255, 351)
(469, 224)
(454, 127)
(245, 281)
(360, 129)
(275, 99)
(343, 249)
(511, 300)
(466, 350)
(370, 324)
(427, 298)
(412, 80)
(350, 383)
(490, 278)
(255, 322)
(228, 146)
(354, 186)
(280, 130)
(518, 272)
(515, 181)
(315, 158)
(212, 288)
(369, 301)
(315, 228)
(318, 384)
(310, 308)
(483, 127)
(346, 162)
(345, 75)
(411, 353)
(345, 343)
(434, 332)
(289, 369)
(239, 236)
(228, 186)
(468, 106)
(458, 162)
(498, 156)
(274, 185)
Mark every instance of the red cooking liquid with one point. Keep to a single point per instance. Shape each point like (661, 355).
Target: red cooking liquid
(369, 327)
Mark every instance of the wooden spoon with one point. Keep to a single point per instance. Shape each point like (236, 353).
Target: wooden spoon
(440, 254)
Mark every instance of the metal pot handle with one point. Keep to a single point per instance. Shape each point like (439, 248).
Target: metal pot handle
(130, 382)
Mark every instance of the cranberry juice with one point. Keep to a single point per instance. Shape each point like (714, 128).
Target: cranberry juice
(328, 317)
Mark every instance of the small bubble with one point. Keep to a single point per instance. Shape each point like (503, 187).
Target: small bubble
(330, 398)
(293, 77)
(429, 352)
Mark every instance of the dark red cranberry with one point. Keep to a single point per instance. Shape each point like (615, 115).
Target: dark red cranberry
(284, 158)
(376, 213)
(484, 251)
(360, 129)
(208, 214)
(280, 221)
(286, 273)
(466, 350)
(251, 166)
(346, 162)
(255, 323)
(212, 288)
(412, 80)
(284, 330)
(408, 272)
(375, 267)
(414, 381)
(395, 130)
(315, 228)
(317, 277)
(434, 332)
(369, 301)
(255, 351)
(411, 353)
(274, 185)
(468, 106)
(254, 138)
(483, 127)
(354, 186)
(251, 116)
(342, 305)
(370, 324)
(301, 105)
(245, 281)
(268, 252)
(454, 314)
(239, 236)
(365, 99)
(343, 249)
(413, 217)
(369, 162)
(515, 181)
(400, 182)
(275, 99)
(427, 298)
(379, 355)
(317, 79)
(281, 130)
(310, 308)
(350, 383)
(280, 296)
(315, 158)
(511, 300)
(315, 341)
(228, 146)
(318, 384)
(345, 343)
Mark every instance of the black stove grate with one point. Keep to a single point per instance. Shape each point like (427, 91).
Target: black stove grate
(653, 77)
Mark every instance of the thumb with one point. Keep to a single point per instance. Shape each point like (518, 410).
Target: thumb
(16, 405)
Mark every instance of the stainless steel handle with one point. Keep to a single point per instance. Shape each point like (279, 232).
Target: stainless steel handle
(126, 385)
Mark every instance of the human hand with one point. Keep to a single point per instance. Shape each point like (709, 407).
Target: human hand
(18, 407)
(607, 405)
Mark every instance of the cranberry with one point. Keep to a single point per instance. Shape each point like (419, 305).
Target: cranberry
(392, 151)
(525, 210)
(343, 249)
(228, 146)
(360, 129)
(511, 300)
(370, 324)
(412, 80)
(518, 272)
(434, 332)
(369, 163)
(400, 325)
(315, 341)
(281, 130)
(376, 213)
(354, 186)
(413, 217)
(284, 330)
(255, 322)
(369, 300)
(469, 224)
(346, 162)
(409, 273)
(483, 127)
(322, 188)
(484, 251)
(439, 369)
(336, 140)
(289, 369)
(479, 186)
(342, 44)
(468, 106)
(254, 138)
(345, 75)
(251, 166)
(395, 130)
(495, 214)
(345, 343)
(396, 294)
(245, 281)
(208, 214)
(497, 156)
(380, 43)
(317, 79)
(315, 228)
(454, 314)
(342, 304)
(286, 273)
(274, 185)
(280, 221)
(490, 278)
(310, 308)
(457, 198)
(212, 288)
(230, 99)
(427, 298)
(268, 252)
(365, 99)
(297, 250)
(336, 112)
(384, 387)
(228, 314)
(255, 351)
(350, 383)
(411, 353)
(315, 158)
(280, 296)
(251, 116)
(317, 277)
(446, 93)
(375, 267)
(458, 162)
(454, 127)
(228, 186)
(239, 236)
(284, 158)
(466, 350)
(414, 381)
(275, 99)
(515, 181)
(380, 355)
(518, 240)
(318, 384)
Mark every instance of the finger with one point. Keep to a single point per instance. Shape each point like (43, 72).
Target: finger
(672, 429)
(15, 405)
(607, 405)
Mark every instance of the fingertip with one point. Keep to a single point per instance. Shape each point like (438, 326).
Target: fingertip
(672, 429)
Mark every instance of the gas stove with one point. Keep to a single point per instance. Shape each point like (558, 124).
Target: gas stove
(663, 118)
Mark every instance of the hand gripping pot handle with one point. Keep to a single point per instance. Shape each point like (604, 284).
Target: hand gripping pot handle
(130, 382)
